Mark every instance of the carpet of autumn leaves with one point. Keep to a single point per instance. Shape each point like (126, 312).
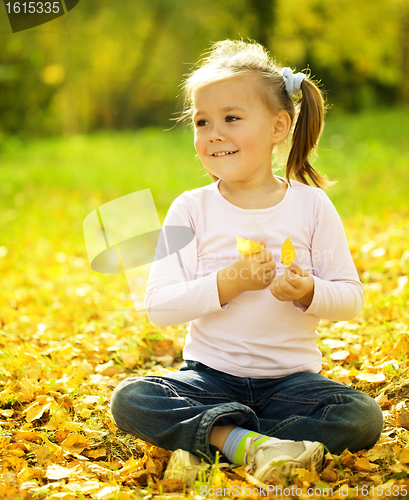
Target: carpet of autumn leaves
(69, 335)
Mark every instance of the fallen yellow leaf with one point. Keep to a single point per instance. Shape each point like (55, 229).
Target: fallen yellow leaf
(93, 434)
(105, 493)
(69, 426)
(248, 247)
(12, 462)
(353, 372)
(61, 435)
(28, 436)
(25, 474)
(101, 472)
(100, 452)
(287, 252)
(55, 471)
(85, 413)
(343, 380)
(4, 443)
(85, 487)
(310, 476)
(7, 413)
(383, 400)
(397, 468)
(328, 474)
(29, 486)
(339, 355)
(51, 446)
(89, 401)
(372, 378)
(219, 479)
(75, 443)
(16, 452)
(404, 456)
(376, 454)
(35, 411)
(402, 415)
(363, 464)
(107, 369)
(129, 465)
(130, 359)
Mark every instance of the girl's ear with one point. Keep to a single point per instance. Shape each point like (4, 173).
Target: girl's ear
(281, 126)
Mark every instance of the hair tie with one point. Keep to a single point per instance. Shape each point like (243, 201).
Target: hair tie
(292, 82)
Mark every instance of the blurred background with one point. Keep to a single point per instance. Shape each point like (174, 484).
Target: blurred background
(86, 103)
(118, 65)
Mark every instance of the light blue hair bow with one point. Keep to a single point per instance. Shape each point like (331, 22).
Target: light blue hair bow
(292, 82)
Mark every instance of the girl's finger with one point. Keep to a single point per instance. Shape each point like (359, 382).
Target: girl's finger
(292, 284)
(265, 256)
(290, 277)
(296, 269)
(271, 273)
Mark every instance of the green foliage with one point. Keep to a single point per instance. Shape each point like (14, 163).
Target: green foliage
(106, 65)
(368, 154)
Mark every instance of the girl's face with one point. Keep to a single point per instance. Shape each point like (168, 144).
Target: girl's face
(235, 132)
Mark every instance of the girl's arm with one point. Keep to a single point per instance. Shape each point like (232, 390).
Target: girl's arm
(177, 292)
(338, 291)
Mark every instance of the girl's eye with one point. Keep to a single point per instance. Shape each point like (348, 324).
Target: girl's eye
(201, 123)
(232, 118)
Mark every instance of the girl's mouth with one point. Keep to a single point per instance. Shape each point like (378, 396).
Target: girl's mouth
(224, 153)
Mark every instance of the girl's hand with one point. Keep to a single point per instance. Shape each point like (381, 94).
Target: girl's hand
(295, 284)
(249, 272)
(255, 271)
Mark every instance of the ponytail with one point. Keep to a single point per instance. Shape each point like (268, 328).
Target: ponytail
(307, 132)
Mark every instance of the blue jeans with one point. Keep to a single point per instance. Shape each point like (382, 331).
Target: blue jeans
(179, 410)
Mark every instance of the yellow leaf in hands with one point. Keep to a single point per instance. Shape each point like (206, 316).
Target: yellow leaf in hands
(287, 252)
(248, 247)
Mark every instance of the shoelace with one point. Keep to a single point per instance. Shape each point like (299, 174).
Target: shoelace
(250, 453)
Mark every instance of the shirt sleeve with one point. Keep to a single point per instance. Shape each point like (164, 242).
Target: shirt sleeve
(338, 291)
(176, 291)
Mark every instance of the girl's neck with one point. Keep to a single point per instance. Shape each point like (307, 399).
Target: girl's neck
(263, 196)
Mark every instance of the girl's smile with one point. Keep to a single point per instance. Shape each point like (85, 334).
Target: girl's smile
(224, 153)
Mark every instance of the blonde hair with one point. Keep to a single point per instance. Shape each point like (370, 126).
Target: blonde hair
(230, 58)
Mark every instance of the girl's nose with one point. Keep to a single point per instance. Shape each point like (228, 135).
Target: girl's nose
(216, 135)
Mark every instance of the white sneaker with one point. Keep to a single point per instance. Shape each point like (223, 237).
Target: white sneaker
(182, 466)
(282, 455)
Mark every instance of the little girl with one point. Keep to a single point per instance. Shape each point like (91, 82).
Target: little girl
(251, 385)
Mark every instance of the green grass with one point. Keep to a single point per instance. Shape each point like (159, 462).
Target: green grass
(369, 156)
(48, 183)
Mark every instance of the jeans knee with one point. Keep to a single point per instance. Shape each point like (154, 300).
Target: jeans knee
(136, 401)
(124, 401)
(366, 423)
(118, 401)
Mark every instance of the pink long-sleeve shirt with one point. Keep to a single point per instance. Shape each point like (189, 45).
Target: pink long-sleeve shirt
(253, 335)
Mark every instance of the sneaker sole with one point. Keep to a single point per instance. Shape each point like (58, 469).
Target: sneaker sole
(305, 461)
(182, 466)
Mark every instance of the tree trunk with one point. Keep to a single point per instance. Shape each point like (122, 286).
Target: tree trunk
(160, 16)
(265, 20)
